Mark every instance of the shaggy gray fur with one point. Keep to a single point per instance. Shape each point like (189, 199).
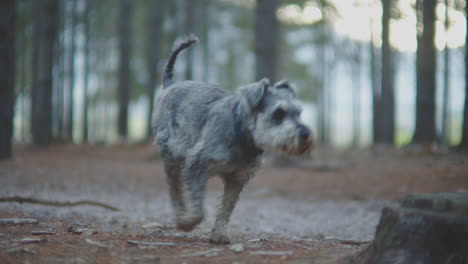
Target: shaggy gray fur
(203, 130)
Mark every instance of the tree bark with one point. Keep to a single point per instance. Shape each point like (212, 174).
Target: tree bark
(445, 131)
(189, 29)
(426, 228)
(85, 132)
(387, 128)
(376, 96)
(464, 143)
(125, 47)
(7, 78)
(153, 51)
(46, 28)
(426, 77)
(266, 39)
(71, 71)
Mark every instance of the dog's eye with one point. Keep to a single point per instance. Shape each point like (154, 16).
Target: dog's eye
(279, 114)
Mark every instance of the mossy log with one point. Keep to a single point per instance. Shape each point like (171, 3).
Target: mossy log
(425, 229)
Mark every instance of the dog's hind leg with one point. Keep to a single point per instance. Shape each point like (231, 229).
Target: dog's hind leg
(172, 168)
(232, 188)
(193, 181)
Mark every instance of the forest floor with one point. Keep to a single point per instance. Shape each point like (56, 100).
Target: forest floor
(310, 211)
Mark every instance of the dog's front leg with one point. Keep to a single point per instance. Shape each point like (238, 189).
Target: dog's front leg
(232, 188)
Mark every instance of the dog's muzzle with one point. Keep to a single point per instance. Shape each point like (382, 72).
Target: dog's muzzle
(305, 140)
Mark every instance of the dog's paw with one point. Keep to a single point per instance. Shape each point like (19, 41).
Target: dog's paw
(220, 239)
(188, 223)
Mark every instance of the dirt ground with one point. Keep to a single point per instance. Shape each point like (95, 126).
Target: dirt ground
(317, 210)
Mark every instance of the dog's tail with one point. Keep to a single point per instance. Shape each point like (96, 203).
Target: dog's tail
(168, 72)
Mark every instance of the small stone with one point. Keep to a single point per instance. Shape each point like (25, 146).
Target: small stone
(237, 248)
(81, 230)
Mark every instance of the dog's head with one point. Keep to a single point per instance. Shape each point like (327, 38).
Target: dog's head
(274, 113)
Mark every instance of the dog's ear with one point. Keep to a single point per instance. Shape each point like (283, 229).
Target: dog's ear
(285, 86)
(254, 92)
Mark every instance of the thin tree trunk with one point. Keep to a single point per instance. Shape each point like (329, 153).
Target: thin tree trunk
(190, 7)
(46, 27)
(445, 131)
(125, 47)
(60, 108)
(86, 70)
(266, 39)
(356, 69)
(7, 78)
(71, 71)
(388, 123)
(205, 35)
(376, 96)
(464, 142)
(426, 77)
(153, 51)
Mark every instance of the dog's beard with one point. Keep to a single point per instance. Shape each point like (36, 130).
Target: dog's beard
(284, 140)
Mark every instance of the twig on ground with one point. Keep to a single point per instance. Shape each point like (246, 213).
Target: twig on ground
(17, 221)
(154, 244)
(53, 203)
(347, 241)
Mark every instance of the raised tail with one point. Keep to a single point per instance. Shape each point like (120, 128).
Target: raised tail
(168, 72)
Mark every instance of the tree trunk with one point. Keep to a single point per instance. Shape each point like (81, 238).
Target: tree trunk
(71, 71)
(153, 51)
(46, 27)
(125, 47)
(266, 39)
(190, 7)
(445, 131)
(388, 118)
(205, 35)
(426, 77)
(60, 103)
(426, 228)
(86, 70)
(464, 142)
(7, 78)
(376, 91)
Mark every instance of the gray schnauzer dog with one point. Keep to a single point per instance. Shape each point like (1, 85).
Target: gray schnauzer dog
(204, 130)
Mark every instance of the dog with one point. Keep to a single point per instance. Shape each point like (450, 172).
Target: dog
(203, 130)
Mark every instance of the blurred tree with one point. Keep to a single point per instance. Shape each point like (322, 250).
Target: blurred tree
(375, 75)
(69, 125)
(7, 78)
(356, 68)
(445, 131)
(155, 13)
(86, 65)
(206, 10)
(464, 142)
(266, 39)
(190, 7)
(59, 104)
(125, 47)
(46, 22)
(387, 123)
(426, 75)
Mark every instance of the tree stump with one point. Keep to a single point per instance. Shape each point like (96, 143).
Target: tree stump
(425, 229)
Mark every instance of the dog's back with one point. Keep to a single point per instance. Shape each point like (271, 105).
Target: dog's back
(187, 103)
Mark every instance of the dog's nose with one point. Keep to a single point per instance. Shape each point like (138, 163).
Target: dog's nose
(304, 133)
